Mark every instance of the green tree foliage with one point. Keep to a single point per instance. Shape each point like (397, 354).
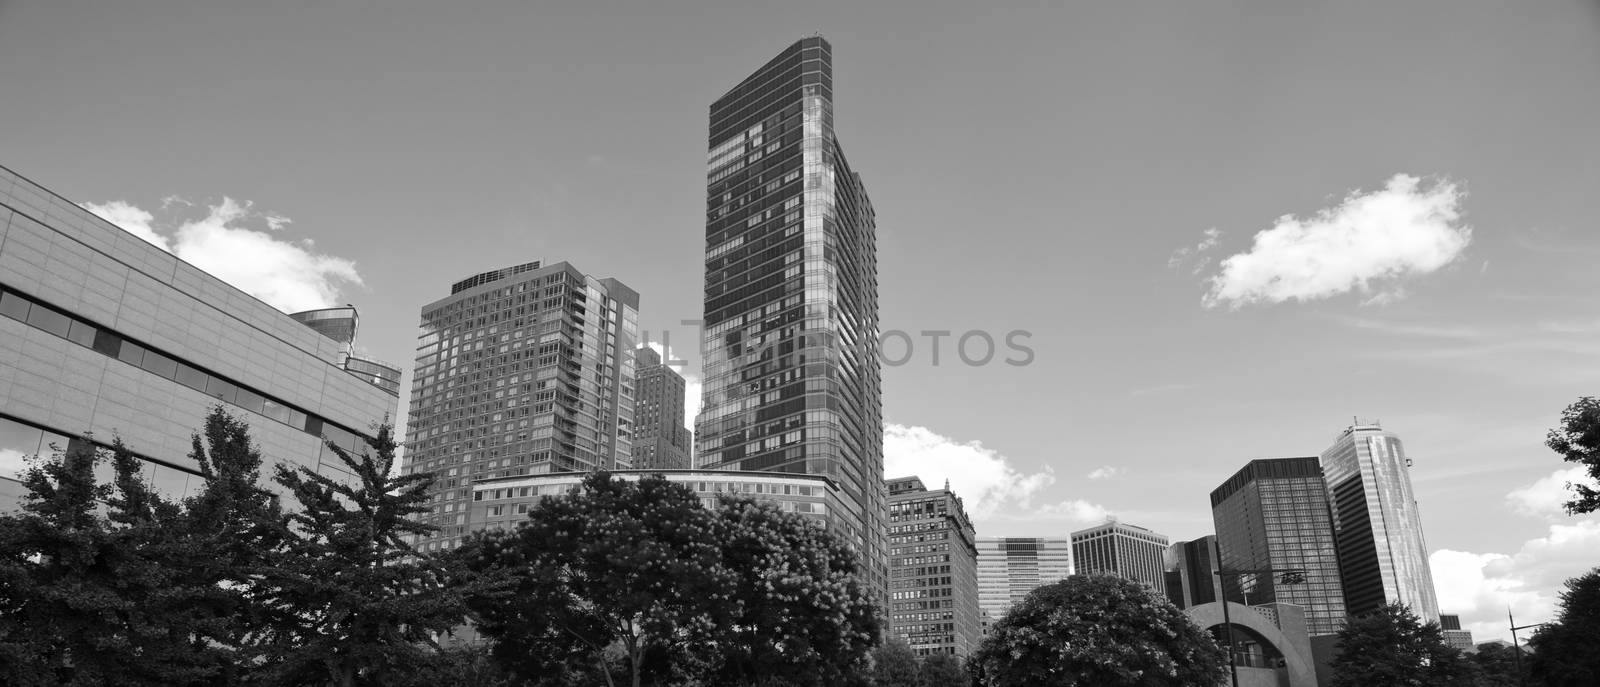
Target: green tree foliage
(1566, 652)
(347, 599)
(1390, 646)
(109, 583)
(895, 665)
(1096, 631)
(743, 594)
(1578, 441)
(943, 670)
(1495, 666)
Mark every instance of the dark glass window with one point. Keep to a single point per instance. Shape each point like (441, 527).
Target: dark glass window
(107, 343)
(49, 320)
(13, 306)
(82, 334)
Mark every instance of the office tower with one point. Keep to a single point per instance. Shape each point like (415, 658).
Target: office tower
(1129, 551)
(1454, 636)
(660, 440)
(522, 370)
(1383, 557)
(1010, 567)
(789, 349)
(103, 332)
(1191, 572)
(1273, 515)
(340, 324)
(933, 570)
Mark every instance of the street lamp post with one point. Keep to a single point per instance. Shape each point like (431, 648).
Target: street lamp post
(1286, 576)
(1516, 648)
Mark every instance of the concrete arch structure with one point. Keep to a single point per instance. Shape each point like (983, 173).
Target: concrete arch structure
(1280, 627)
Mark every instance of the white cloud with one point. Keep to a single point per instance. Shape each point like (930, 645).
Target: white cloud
(1480, 586)
(1073, 510)
(1104, 472)
(1544, 498)
(1366, 244)
(131, 218)
(1182, 255)
(290, 276)
(12, 462)
(984, 479)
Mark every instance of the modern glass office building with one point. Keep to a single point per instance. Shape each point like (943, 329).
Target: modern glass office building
(1383, 557)
(1191, 572)
(789, 349)
(103, 335)
(1010, 567)
(1273, 515)
(520, 371)
(933, 570)
(661, 441)
(1116, 548)
(341, 324)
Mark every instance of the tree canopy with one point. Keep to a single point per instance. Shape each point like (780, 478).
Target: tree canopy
(1391, 646)
(1578, 441)
(1566, 652)
(740, 594)
(1096, 630)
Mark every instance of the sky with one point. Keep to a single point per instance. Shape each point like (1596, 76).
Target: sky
(1204, 232)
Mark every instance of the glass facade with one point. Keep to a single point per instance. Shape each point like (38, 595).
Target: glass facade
(1191, 572)
(789, 349)
(1125, 550)
(1274, 514)
(661, 441)
(105, 335)
(527, 373)
(1009, 568)
(1383, 556)
(933, 570)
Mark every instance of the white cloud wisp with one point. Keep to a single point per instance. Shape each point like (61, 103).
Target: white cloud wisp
(1368, 244)
(288, 275)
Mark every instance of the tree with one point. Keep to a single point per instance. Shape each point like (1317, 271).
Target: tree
(1564, 651)
(799, 609)
(1578, 441)
(1496, 666)
(115, 583)
(1390, 646)
(617, 561)
(743, 594)
(348, 600)
(1097, 630)
(895, 665)
(943, 670)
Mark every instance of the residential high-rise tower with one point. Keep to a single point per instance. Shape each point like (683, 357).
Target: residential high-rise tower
(789, 348)
(1383, 557)
(522, 370)
(1273, 515)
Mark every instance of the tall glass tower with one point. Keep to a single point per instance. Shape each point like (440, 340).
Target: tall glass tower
(790, 345)
(1274, 514)
(1383, 557)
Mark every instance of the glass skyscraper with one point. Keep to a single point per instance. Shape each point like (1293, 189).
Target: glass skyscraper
(790, 345)
(520, 371)
(1383, 556)
(1273, 514)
